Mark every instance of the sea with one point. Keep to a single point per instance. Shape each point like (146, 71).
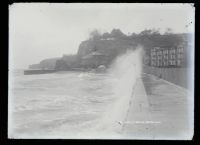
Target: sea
(69, 104)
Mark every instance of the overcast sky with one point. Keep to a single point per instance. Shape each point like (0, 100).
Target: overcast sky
(40, 30)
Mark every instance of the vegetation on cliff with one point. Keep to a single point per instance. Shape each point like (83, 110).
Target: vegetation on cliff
(102, 49)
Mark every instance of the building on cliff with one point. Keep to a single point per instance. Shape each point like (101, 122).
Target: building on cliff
(94, 59)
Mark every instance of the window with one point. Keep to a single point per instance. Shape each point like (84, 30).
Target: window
(178, 62)
(174, 62)
(180, 56)
(180, 49)
(170, 62)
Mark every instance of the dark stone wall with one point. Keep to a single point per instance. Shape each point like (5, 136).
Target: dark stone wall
(178, 76)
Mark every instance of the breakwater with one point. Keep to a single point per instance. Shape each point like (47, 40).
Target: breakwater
(31, 72)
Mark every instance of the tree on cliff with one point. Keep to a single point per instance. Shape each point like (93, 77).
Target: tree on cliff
(147, 32)
(117, 33)
(95, 35)
(106, 35)
(168, 31)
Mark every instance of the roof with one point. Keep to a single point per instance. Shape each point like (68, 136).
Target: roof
(92, 54)
(96, 53)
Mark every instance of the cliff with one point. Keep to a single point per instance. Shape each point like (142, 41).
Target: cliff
(95, 52)
(103, 49)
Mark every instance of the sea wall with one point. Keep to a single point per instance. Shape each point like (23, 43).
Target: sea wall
(178, 76)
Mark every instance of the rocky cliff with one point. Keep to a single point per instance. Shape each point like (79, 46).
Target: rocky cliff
(102, 49)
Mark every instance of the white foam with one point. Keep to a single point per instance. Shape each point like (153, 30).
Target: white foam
(124, 72)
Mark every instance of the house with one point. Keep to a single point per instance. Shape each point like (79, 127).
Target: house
(168, 56)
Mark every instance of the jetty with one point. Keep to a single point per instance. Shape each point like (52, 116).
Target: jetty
(39, 71)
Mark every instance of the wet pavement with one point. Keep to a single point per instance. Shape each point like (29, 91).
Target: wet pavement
(159, 110)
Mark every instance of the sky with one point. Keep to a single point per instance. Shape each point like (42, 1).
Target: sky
(45, 30)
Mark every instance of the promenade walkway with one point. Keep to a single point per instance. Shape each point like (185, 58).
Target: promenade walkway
(158, 110)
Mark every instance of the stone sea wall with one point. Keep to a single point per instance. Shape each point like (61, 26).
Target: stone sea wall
(178, 76)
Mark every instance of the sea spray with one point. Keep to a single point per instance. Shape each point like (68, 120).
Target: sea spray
(124, 72)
